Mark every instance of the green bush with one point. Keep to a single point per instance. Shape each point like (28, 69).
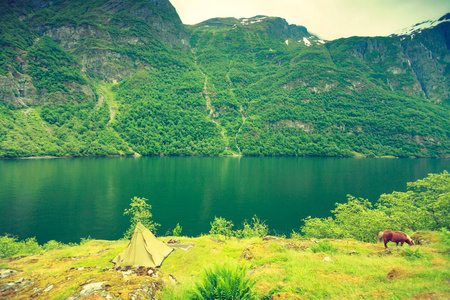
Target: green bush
(254, 229)
(321, 228)
(221, 227)
(224, 282)
(296, 235)
(425, 206)
(177, 230)
(11, 246)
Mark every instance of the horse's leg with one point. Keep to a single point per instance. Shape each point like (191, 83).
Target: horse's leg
(385, 243)
(396, 244)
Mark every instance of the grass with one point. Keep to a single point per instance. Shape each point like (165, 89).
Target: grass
(290, 267)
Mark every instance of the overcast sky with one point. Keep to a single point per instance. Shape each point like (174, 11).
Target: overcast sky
(328, 19)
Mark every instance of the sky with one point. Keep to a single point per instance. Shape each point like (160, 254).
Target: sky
(328, 19)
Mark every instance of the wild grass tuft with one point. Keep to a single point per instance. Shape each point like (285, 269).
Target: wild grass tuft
(411, 254)
(324, 246)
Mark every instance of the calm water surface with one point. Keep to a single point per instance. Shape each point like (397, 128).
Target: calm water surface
(67, 199)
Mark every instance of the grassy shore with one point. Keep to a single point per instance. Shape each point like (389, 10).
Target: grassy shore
(282, 268)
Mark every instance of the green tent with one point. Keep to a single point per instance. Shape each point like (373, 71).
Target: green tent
(143, 250)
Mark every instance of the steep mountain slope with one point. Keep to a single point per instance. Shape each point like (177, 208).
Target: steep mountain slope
(286, 96)
(414, 61)
(115, 77)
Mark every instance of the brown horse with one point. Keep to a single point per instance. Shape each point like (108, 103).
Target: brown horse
(394, 236)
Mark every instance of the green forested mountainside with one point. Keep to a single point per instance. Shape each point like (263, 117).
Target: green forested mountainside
(123, 77)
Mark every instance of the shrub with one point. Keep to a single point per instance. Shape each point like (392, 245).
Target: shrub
(177, 230)
(53, 245)
(424, 206)
(9, 246)
(321, 228)
(85, 240)
(222, 283)
(296, 235)
(221, 227)
(255, 229)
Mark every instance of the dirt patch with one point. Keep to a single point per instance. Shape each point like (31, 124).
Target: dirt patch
(438, 261)
(431, 296)
(254, 251)
(298, 245)
(247, 254)
(397, 273)
(182, 246)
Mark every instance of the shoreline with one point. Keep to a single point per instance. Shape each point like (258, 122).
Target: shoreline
(234, 155)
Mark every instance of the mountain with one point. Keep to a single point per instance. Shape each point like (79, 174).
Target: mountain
(118, 77)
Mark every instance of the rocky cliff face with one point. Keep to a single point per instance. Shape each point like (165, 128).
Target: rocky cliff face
(429, 54)
(416, 61)
(111, 40)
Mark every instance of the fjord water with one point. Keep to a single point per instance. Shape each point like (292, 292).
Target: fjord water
(69, 199)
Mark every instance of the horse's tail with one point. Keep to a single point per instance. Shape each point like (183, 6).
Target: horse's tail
(380, 236)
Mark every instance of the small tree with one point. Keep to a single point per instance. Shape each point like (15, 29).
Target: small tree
(139, 212)
(177, 230)
(221, 227)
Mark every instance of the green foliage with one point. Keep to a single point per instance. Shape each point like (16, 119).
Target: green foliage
(321, 228)
(411, 254)
(85, 240)
(444, 234)
(59, 130)
(163, 113)
(53, 69)
(424, 206)
(139, 211)
(177, 230)
(11, 246)
(295, 235)
(256, 228)
(225, 283)
(221, 227)
(324, 246)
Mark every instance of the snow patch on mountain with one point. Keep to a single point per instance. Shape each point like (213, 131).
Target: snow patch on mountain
(247, 21)
(307, 42)
(422, 26)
